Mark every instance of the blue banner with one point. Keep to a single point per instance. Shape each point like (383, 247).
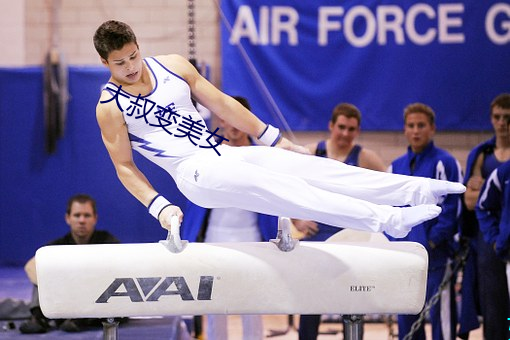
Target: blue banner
(295, 60)
(35, 185)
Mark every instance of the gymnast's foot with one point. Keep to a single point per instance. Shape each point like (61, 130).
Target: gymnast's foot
(442, 188)
(412, 216)
(437, 191)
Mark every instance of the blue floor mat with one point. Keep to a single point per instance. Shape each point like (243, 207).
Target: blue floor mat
(14, 284)
(134, 329)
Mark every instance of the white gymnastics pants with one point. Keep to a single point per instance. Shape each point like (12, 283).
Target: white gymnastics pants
(217, 327)
(278, 182)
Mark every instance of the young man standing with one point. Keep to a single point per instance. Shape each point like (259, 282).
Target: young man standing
(424, 159)
(230, 225)
(484, 269)
(344, 127)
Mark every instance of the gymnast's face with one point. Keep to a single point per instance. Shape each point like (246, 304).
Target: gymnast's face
(500, 118)
(125, 64)
(235, 136)
(344, 130)
(82, 221)
(419, 131)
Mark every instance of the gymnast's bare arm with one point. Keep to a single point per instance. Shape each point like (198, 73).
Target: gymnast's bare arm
(115, 137)
(224, 106)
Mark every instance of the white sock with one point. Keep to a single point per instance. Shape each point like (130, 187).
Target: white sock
(442, 188)
(412, 216)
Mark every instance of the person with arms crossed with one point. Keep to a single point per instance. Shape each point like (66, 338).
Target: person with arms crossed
(344, 127)
(484, 269)
(425, 159)
(230, 225)
(493, 212)
(147, 106)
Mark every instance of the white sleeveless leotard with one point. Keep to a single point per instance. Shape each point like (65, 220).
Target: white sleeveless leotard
(164, 125)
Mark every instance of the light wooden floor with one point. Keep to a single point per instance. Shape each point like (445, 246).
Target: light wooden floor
(372, 331)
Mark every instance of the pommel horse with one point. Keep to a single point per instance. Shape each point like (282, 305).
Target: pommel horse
(173, 277)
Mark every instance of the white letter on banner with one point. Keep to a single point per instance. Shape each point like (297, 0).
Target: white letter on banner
(446, 22)
(325, 25)
(278, 25)
(350, 17)
(244, 26)
(264, 25)
(490, 18)
(385, 25)
(412, 13)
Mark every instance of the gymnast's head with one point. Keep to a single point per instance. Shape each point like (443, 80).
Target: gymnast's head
(344, 125)
(347, 110)
(500, 114)
(116, 44)
(113, 35)
(235, 136)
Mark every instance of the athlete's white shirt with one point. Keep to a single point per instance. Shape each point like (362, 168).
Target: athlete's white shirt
(158, 123)
(232, 225)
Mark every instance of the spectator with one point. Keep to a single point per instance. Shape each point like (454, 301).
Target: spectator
(424, 159)
(81, 217)
(344, 128)
(230, 225)
(484, 277)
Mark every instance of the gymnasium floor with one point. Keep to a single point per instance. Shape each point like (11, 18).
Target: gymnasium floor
(15, 285)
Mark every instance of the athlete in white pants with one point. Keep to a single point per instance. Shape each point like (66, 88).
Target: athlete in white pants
(233, 225)
(284, 183)
(261, 179)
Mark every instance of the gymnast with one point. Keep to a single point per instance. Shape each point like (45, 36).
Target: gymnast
(147, 106)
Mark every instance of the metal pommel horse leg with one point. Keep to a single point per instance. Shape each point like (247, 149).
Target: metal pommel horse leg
(353, 327)
(110, 329)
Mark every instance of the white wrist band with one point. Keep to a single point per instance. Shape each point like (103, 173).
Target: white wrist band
(270, 136)
(157, 205)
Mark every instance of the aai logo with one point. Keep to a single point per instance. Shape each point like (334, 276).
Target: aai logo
(152, 288)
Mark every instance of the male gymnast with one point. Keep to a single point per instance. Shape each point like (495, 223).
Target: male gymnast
(147, 106)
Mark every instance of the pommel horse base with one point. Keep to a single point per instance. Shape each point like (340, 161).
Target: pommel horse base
(154, 279)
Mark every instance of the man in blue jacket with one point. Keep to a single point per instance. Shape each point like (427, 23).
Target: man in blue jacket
(493, 211)
(484, 277)
(229, 225)
(493, 214)
(424, 159)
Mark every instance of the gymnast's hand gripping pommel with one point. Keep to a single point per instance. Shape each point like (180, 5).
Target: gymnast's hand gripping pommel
(272, 136)
(173, 241)
(164, 211)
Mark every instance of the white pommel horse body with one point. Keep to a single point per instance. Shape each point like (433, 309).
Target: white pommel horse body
(154, 279)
